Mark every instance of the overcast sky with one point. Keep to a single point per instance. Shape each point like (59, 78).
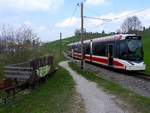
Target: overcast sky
(49, 17)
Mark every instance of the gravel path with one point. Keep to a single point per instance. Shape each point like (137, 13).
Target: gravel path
(95, 99)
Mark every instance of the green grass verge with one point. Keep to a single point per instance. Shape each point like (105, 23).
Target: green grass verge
(146, 46)
(18, 57)
(135, 102)
(57, 95)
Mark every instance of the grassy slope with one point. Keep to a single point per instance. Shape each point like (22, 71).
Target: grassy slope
(57, 95)
(18, 57)
(135, 102)
(54, 47)
(146, 45)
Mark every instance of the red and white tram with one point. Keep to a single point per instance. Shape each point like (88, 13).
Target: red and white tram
(122, 51)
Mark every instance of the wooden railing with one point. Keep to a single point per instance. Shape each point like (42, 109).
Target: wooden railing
(23, 75)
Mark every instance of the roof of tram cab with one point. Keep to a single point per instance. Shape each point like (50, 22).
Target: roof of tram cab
(109, 38)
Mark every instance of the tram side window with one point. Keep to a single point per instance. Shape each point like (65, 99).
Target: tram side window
(79, 48)
(75, 48)
(100, 50)
(87, 49)
(123, 49)
(117, 49)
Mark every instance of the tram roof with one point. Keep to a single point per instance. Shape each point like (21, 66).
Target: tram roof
(106, 38)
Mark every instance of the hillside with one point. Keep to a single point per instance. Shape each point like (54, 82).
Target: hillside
(146, 46)
(53, 47)
(53, 100)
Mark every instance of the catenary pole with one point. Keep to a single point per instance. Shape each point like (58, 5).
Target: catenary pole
(82, 48)
(60, 42)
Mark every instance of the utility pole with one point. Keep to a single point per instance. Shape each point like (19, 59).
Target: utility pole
(82, 51)
(60, 42)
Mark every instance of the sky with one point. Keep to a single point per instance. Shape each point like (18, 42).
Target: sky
(50, 17)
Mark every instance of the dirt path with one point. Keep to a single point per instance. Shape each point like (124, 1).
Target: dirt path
(95, 99)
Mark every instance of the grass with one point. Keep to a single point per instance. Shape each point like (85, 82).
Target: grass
(18, 57)
(135, 102)
(57, 95)
(146, 45)
(53, 47)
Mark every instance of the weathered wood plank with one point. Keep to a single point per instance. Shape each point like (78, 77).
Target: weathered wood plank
(21, 73)
(18, 77)
(17, 68)
(24, 64)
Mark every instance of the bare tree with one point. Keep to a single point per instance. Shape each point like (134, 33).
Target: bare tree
(103, 32)
(118, 31)
(131, 25)
(78, 32)
(13, 40)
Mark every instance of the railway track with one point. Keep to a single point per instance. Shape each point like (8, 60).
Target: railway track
(143, 76)
(139, 75)
(137, 82)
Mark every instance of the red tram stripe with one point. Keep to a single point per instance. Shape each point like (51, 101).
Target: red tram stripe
(116, 63)
(100, 60)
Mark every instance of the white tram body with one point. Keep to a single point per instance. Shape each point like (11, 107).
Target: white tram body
(122, 51)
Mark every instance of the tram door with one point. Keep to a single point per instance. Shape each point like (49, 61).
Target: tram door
(91, 50)
(110, 55)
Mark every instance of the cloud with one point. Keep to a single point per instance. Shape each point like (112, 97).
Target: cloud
(117, 20)
(42, 28)
(69, 22)
(30, 5)
(95, 2)
(27, 23)
(91, 23)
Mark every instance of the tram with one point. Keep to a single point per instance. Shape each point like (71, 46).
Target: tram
(121, 51)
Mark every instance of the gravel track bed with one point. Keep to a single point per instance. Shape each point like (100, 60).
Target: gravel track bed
(137, 85)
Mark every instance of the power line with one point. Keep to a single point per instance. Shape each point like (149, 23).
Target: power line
(132, 13)
(73, 13)
(117, 18)
(104, 19)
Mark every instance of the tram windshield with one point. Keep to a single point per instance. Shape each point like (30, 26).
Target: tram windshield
(131, 49)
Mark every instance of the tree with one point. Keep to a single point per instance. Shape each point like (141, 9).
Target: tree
(144, 28)
(118, 31)
(78, 31)
(103, 32)
(131, 25)
(13, 40)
